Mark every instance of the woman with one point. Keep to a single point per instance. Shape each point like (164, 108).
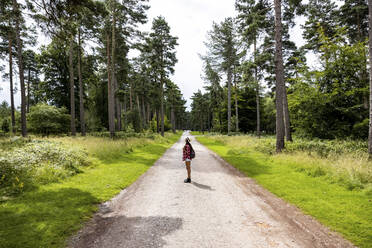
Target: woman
(187, 157)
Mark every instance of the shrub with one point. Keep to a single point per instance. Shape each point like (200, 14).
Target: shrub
(5, 125)
(38, 162)
(360, 130)
(45, 119)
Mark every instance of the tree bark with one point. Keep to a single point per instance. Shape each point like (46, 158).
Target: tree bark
(111, 83)
(117, 107)
(162, 105)
(109, 88)
(279, 71)
(148, 113)
(11, 84)
(20, 67)
(157, 121)
(257, 90)
(72, 90)
(81, 89)
(229, 101)
(370, 79)
(130, 98)
(118, 114)
(173, 119)
(287, 123)
(125, 113)
(236, 105)
(28, 90)
(143, 112)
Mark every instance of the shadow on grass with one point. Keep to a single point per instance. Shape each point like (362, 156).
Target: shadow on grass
(122, 231)
(129, 156)
(44, 218)
(248, 165)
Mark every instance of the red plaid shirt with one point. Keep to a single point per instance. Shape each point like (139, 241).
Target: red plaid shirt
(186, 152)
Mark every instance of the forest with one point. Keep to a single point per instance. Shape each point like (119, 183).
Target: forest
(326, 99)
(99, 106)
(83, 80)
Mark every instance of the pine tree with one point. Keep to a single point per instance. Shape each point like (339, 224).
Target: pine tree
(223, 55)
(279, 71)
(370, 78)
(254, 19)
(163, 57)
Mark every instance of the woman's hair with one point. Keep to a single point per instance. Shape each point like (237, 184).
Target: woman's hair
(187, 140)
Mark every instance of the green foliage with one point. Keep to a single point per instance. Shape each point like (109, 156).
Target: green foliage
(135, 119)
(329, 102)
(45, 119)
(5, 125)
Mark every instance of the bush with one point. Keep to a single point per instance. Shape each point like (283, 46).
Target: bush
(360, 130)
(38, 162)
(5, 125)
(45, 119)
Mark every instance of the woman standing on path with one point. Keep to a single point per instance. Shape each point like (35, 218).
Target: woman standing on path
(188, 155)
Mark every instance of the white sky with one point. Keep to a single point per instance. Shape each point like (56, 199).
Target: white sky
(189, 21)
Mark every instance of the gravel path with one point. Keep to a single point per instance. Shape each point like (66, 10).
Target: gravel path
(221, 208)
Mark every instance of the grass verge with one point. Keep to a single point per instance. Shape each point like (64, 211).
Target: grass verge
(48, 215)
(346, 211)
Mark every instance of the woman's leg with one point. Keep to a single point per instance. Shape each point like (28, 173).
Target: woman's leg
(188, 168)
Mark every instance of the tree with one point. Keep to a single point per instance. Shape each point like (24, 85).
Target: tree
(253, 19)
(223, 54)
(18, 17)
(353, 14)
(213, 79)
(370, 78)
(46, 119)
(320, 13)
(7, 48)
(163, 57)
(279, 72)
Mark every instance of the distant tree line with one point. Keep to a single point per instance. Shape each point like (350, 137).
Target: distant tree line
(85, 71)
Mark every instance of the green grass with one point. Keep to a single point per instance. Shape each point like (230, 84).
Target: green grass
(48, 215)
(348, 212)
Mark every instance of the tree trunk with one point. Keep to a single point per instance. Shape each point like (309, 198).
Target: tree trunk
(112, 88)
(148, 113)
(109, 90)
(11, 84)
(139, 111)
(143, 112)
(117, 107)
(20, 67)
(287, 123)
(125, 113)
(72, 90)
(162, 105)
(257, 90)
(229, 101)
(157, 121)
(236, 105)
(28, 90)
(173, 120)
(118, 114)
(81, 89)
(370, 79)
(279, 71)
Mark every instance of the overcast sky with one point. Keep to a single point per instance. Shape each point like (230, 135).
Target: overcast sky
(189, 21)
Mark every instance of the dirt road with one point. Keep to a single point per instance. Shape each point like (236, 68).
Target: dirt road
(220, 208)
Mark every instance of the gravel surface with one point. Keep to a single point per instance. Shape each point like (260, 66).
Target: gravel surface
(220, 208)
